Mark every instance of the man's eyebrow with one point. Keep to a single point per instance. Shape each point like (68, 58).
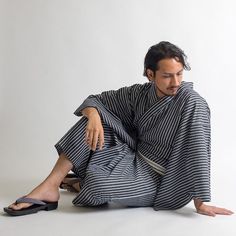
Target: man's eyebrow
(168, 73)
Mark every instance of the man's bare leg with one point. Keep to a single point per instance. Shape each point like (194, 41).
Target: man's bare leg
(48, 189)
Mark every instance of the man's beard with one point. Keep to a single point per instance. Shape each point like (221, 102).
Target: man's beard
(167, 89)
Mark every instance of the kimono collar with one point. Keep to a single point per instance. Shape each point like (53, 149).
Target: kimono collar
(153, 98)
(185, 85)
(158, 105)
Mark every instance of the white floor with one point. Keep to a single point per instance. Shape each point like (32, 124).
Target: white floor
(110, 220)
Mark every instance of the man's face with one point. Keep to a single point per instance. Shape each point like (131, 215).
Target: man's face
(168, 77)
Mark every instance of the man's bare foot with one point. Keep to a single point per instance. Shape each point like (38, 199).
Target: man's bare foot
(43, 192)
(70, 184)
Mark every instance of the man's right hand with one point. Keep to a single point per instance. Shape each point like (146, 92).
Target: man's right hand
(94, 131)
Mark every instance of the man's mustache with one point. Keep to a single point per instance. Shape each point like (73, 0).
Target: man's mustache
(173, 87)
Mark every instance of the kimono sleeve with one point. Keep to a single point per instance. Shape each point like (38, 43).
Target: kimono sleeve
(188, 169)
(119, 103)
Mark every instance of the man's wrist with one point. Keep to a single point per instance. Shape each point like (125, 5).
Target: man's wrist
(197, 202)
(89, 111)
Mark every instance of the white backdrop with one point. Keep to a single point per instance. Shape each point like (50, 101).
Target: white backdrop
(54, 53)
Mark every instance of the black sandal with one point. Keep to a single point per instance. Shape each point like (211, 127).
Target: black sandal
(37, 206)
(67, 186)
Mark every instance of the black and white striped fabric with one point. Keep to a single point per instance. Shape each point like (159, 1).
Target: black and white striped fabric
(157, 151)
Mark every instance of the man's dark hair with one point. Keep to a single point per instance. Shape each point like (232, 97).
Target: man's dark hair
(161, 51)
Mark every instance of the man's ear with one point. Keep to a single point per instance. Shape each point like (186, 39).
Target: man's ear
(150, 75)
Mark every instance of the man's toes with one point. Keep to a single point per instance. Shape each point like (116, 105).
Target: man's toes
(11, 206)
(19, 206)
(14, 206)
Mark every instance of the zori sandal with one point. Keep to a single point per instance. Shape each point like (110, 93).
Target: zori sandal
(36, 206)
(69, 186)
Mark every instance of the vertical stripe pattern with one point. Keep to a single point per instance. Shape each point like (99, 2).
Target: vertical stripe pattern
(157, 151)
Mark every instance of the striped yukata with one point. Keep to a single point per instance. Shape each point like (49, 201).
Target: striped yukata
(156, 152)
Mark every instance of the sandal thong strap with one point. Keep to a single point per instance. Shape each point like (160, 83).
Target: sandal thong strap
(30, 200)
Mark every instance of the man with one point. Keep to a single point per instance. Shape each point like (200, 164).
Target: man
(146, 145)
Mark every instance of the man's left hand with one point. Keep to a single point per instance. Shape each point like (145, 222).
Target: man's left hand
(210, 210)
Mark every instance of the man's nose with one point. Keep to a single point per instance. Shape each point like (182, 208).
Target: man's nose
(175, 80)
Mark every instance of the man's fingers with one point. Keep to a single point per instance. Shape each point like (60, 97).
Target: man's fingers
(94, 141)
(207, 212)
(212, 211)
(101, 140)
(93, 137)
(230, 212)
(222, 211)
(87, 137)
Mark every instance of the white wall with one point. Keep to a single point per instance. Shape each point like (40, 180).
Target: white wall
(55, 52)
